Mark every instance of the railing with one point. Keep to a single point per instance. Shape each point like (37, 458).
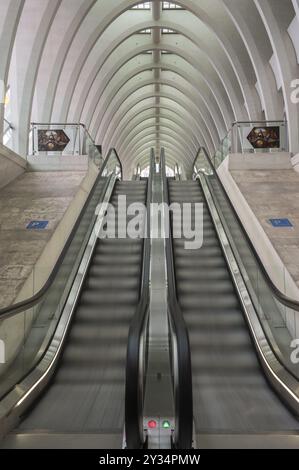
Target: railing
(137, 351)
(29, 325)
(277, 313)
(137, 173)
(180, 354)
(259, 136)
(63, 139)
(225, 149)
(253, 137)
(7, 131)
(177, 172)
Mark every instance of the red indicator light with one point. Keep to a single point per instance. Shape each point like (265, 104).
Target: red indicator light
(152, 424)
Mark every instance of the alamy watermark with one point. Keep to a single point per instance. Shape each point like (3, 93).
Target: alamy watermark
(2, 92)
(295, 92)
(129, 221)
(2, 352)
(295, 353)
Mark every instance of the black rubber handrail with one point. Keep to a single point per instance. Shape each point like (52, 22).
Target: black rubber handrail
(135, 375)
(285, 300)
(14, 309)
(183, 390)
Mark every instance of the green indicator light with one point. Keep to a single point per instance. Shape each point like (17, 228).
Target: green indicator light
(166, 425)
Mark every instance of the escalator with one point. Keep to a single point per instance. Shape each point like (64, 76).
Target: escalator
(233, 402)
(84, 403)
(80, 377)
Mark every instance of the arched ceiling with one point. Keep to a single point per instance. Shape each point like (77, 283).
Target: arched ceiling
(180, 85)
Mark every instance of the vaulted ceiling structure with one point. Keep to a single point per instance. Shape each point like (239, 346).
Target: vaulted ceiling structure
(153, 74)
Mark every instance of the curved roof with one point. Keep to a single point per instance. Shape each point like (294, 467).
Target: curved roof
(179, 85)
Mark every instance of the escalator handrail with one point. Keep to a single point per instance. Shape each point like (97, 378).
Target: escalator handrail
(184, 391)
(26, 304)
(280, 296)
(134, 377)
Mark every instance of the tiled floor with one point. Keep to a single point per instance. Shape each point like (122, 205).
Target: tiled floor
(33, 196)
(275, 194)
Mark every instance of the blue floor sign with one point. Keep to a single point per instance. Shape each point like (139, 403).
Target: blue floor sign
(38, 225)
(281, 223)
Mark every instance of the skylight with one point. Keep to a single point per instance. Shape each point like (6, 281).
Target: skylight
(145, 31)
(142, 6)
(168, 31)
(171, 6)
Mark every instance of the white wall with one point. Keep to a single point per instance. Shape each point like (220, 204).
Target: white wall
(14, 330)
(11, 166)
(275, 267)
